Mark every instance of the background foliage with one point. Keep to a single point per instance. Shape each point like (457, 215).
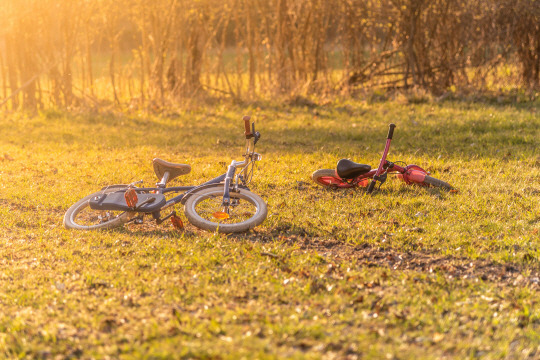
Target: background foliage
(135, 53)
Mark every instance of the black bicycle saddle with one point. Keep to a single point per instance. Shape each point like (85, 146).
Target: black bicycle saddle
(347, 169)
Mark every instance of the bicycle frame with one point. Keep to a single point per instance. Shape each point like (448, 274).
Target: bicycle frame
(409, 174)
(349, 174)
(231, 179)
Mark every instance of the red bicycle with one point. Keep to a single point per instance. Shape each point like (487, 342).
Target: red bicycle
(349, 174)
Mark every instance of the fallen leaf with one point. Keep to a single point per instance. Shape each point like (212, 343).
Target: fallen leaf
(59, 286)
(220, 215)
(437, 337)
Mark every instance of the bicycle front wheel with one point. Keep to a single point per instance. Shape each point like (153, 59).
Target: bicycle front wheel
(437, 183)
(205, 210)
(81, 217)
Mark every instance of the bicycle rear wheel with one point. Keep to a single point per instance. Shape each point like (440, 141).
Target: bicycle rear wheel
(204, 209)
(81, 217)
(328, 178)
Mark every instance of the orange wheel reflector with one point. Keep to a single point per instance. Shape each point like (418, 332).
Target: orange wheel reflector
(177, 222)
(220, 215)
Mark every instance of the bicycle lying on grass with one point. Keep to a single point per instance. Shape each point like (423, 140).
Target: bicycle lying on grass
(349, 174)
(224, 203)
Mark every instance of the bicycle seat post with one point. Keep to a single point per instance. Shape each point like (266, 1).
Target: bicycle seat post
(163, 181)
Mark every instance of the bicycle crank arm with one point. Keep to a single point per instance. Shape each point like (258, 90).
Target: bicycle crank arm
(160, 221)
(371, 186)
(136, 220)
(381, 179)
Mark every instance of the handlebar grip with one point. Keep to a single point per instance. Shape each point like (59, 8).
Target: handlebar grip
(247, 126)
(391, 131)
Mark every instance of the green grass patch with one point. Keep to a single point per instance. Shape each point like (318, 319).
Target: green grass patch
(322, 277)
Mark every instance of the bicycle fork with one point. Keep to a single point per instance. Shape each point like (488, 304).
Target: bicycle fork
(231, 170)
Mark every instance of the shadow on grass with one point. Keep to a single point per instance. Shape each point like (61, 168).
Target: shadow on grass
(333, 251)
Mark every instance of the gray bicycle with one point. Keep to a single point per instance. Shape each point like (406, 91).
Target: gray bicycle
(224, 204)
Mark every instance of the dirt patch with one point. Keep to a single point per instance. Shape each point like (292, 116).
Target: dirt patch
(451, 267)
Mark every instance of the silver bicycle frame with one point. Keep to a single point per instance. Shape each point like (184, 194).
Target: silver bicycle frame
(249, 157)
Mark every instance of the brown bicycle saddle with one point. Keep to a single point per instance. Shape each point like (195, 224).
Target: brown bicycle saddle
(175, 170)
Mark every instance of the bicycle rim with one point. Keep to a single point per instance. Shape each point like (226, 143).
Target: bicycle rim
(205, 210)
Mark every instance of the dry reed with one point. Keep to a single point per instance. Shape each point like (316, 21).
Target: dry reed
(135, 53)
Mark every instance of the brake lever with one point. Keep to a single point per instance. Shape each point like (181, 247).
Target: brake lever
(382, 179)
(257, 136)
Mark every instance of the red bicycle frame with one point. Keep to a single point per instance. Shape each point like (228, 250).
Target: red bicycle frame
(349, 174)
(409, 174)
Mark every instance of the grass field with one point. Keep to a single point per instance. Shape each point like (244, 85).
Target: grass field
(404, 274)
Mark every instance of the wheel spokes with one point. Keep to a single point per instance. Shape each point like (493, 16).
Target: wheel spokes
(211, 208)
(89, 217)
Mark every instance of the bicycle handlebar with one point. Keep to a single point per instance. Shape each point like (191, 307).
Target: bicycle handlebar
(391, 131)
(247, 126)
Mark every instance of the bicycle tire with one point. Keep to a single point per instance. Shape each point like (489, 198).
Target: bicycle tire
(328, 178)
(214, 195)
(70, 217)
(437, 183)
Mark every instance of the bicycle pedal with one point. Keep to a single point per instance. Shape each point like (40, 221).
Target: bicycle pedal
(177, 222)
(131, 198)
